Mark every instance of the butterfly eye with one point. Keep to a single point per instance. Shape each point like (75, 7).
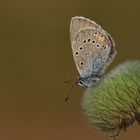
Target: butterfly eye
(93, 41)
(80, 82)
(81, 48)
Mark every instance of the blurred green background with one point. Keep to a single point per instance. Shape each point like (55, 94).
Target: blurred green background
(36, 59)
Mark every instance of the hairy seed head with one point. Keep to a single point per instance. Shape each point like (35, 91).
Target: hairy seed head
(114, 103)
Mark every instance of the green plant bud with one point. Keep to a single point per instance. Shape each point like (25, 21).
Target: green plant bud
(113, 103)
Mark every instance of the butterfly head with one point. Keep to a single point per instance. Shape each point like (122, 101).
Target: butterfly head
(86, 81)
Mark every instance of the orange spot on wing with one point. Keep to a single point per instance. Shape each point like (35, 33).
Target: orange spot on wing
(101, 38)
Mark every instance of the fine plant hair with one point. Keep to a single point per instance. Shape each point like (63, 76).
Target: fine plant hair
(113, 104)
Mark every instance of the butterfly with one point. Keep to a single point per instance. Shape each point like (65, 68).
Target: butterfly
(93, 50)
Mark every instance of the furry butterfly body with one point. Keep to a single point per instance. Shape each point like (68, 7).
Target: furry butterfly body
(93, 50)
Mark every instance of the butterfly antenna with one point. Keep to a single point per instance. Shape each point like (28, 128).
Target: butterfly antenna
(69, 93)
